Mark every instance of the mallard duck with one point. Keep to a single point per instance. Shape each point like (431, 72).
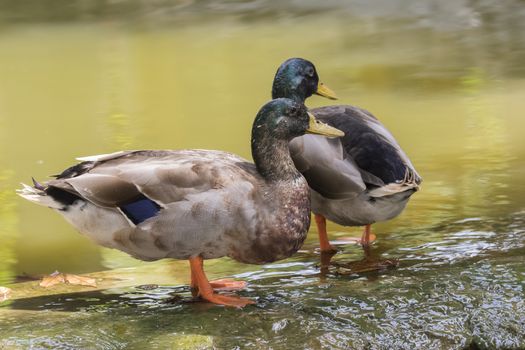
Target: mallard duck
(357, 180)
(194, 204)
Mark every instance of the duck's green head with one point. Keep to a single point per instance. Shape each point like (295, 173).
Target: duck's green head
(297, 79)
(284, 119)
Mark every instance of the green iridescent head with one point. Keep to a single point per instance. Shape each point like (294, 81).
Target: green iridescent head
(285, 119)
(297, 79)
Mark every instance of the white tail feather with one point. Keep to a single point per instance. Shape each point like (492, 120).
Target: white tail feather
(39, 197)
(410, 182)
(392, 188)
(101, 157)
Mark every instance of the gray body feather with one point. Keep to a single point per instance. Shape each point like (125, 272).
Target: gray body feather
(359, 179)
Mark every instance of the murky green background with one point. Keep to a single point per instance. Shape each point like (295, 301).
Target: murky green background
(446, 77)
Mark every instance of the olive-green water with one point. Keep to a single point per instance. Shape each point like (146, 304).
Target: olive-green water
(447, 78)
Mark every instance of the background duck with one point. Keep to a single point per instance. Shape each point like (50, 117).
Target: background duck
(194, 204)
(359, 179)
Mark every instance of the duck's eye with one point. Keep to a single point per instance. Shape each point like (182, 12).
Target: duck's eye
(293, 110)
(310, 71)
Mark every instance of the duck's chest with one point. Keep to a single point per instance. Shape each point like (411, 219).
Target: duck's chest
(280, 231)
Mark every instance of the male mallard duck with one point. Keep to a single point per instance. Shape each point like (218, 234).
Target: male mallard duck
(359, 179)
(194, 204)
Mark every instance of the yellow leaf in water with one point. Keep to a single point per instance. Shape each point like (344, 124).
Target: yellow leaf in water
(4, 293)
(54, 278)
(58, 278)
(80, 280)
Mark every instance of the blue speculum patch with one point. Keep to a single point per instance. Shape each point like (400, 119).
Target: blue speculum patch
(140, 210)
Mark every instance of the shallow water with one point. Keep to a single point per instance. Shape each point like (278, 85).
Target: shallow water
(448, 81)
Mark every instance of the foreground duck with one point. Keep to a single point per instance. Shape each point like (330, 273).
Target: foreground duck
(357, 180)
(195, 204)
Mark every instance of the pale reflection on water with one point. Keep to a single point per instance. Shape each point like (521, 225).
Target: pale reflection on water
(448, 81)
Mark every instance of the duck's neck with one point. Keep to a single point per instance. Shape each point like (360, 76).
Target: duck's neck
(282, 228)
(280, 89)
(272, 158)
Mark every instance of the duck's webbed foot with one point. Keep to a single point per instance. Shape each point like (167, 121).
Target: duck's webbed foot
(202, 287)
(228, 284)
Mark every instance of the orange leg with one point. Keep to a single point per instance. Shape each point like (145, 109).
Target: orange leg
(223, 283)
(200, 283)
(193, 284)
(324, 244)
(367, 236)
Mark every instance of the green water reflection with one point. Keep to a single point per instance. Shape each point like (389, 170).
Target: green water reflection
(448, 81)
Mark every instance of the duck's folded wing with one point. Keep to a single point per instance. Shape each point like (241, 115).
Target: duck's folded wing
(107, 191)
(323, 164)
(370, 146)
(162, 176)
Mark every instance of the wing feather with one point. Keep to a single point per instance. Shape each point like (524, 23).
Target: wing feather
(367, 158)
(369, 144)
(322, 162)
(162, 176)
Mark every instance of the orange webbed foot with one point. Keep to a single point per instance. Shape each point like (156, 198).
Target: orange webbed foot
(228, 284)
(202, 287)
(227, 300)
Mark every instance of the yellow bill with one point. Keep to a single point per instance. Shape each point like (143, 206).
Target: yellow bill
(317, 127)
(325, 91)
